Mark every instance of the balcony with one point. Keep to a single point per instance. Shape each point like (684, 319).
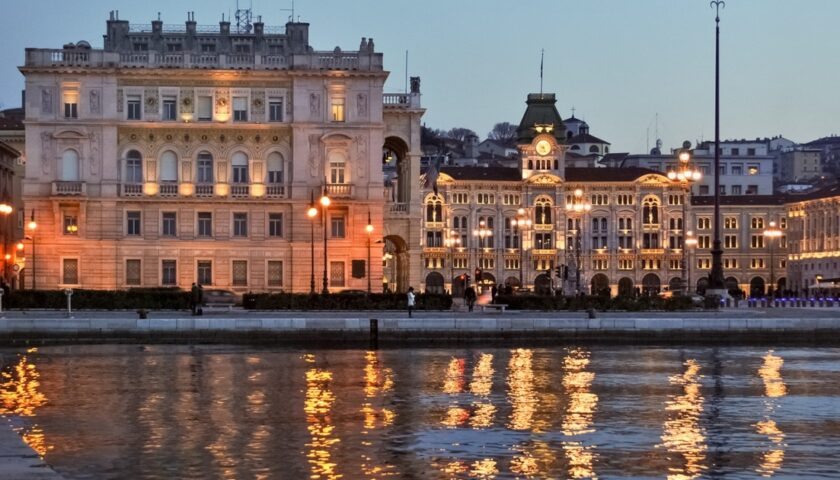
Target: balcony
(653, 251)
(398, 209)
(68, 188)
(131, 190)
(543, 227)
(240, 191)
(544, 251)
(339, 190)
(400, 101)
(168, 190)
(438, 250)
(275, 191)
(204, 190)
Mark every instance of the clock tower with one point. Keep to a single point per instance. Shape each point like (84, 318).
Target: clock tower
(540, 137)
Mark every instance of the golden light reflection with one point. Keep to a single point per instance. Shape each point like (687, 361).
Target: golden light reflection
(378, 382)
(485, 468)
(582, 403)
(482, 380)
(455, 416)
(20, 395)
(774, 387)
(521, 392)
(483, 414)
(318, 406)
(454, 380)
(536, 459)
(682, 432)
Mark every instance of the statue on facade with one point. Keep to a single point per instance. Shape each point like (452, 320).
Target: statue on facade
(314, 104)
(94, 101)
(361, 105)
(415, 84)
(46, 100)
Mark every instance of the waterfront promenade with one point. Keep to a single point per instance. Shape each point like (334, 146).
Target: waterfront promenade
(17, 459)
(352, 328)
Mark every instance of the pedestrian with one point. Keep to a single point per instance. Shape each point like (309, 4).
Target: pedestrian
(410, 298)
(493, 292)
(193, 298)
(200, 299)
(469, 296)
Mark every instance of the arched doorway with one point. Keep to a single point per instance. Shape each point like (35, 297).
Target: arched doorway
(486, 282)
(733, 287)
(651, 284)
(757, 287)
(675, 284)
(458, 286)
(781, 286)
(702, 285)
(434, 283)
(512, 283)
(600, 285)
(625, 287)
(542, 284)
(395, 270)
(395, 170)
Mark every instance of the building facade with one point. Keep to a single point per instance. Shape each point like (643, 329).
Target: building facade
(814, 244)
(192, 153)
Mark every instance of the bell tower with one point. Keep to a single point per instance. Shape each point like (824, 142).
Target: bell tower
(540, 137)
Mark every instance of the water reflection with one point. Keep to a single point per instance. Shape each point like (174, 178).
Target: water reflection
(521, 393)
(20, 395)
(582, 403)
(482, 383)
(683, 434)
(379, 381)
(318, 405)
(774, 387)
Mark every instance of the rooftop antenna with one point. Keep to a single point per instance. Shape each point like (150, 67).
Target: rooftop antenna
(406, 72)
(542, 56)
(292, 16)
(243, 18)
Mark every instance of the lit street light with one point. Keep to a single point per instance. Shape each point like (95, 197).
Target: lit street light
(772, 232)
(312, 212)
(685, 173)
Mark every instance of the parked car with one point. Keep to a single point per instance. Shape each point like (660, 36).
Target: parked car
(221, 297)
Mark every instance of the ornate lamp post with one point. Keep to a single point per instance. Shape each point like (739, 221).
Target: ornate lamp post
(369, 230)
(772, 233)
(451, 240)
(482, 232)
(521, 223)
(325, 203)
(690, 243)
(716, 283)
(5, 210)
(312, 212)
(578, 209)
(685, 173)
(31, 226)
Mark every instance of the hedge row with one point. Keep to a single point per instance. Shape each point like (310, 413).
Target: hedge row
(146, 298)
(339, 301)
(598, 302)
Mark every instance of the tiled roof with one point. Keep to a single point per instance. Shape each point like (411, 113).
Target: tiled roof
(595, 174)
(586, 138)
(824, 192)
(709, 200)
(540, 111)
(496, 174)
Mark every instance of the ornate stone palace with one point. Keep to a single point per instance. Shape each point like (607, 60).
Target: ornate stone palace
(616, 229)
(189, 153)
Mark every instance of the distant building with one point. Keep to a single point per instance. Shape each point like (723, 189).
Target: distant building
(814, 240)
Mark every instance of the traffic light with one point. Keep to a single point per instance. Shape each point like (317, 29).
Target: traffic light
(559, 270)
(477, 274)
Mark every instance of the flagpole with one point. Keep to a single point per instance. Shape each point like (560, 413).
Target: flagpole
(542, 56)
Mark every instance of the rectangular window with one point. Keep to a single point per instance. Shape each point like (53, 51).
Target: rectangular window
(205, 272)
(730, 241)
(70, 271)
(132, 272)
(704, 223)
(704, 241)
(208, 47)
(240, 174)
(756, 223)
(240, 109)
(205, 170)
(756, 263)
(275, 273)
(735, 153)
(168, 224)
(205, 224)
(205, 108)
(240, 273)
(337, 226)
(243, 48)
(133, 111)
(730, 263)
(542, 241)
(736, 190)
(752, 169)
(752, 189)
(757, 241)
(168, 272)
(737, 170)
(240, 224)
(132, 223)
(275, 224)
(337, 173)
(434, 238)
(336, 274)
(173, 47)
(71, 110)
(337, 109)
(704, 189)
(275, 109)
(704, 263)
(170, 111)
(71, 225)
(751, 152)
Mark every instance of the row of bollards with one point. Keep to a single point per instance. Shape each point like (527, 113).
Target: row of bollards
(789, 302)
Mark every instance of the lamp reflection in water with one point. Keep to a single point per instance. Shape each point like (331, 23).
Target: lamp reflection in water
(582, 403)
(378, 382)
(683, 434)
(774, 387)
(20, 395)
(521, 392)
(318, 405)
(481, 385)
(453, 384)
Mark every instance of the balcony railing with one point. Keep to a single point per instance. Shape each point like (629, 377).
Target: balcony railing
(168, 189)
(275, 191)
(339, 190)
(240, 191)
(653, 251)
(543, 251)
(131, 190)
(204, 190)
(68, 188)
(399, 209)
(435, 249)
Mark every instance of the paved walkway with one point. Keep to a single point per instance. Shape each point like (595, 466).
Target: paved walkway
(17, 460)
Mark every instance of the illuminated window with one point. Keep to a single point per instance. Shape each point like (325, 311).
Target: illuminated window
(71, 225)
(337, 109)
(71, 104)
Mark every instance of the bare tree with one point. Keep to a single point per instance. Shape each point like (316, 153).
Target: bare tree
(504, 133)
(460, 134)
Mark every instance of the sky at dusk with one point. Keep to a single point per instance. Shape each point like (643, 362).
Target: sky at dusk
(618, 62)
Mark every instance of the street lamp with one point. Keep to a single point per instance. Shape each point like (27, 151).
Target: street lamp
(325, 203)
(772, 232)
(31, 226)
(482, 232)
(690, 242)
(451, 240)
(578, 208)
(369, 230)
(685, 173)
(716, 284)
(312, 212)
(520, 224)
(5, 210)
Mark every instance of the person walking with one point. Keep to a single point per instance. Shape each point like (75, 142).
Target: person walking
(469, 296)
(493, 292)
(193, 298)
(410, 298)
(200, 299)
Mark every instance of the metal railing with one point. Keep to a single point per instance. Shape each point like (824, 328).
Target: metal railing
(204, 190)
(240, 191)
(275, 191)
(68, 188)
(168, 190)
(339, 190)
(399, 209)
(131, 190)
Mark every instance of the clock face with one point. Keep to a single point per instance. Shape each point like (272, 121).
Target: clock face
(543, 147)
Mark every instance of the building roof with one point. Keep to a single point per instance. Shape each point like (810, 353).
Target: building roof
(600, 174)
(614, 157)
(11, 119)
(496, 174)
(573, 119)
(540, 111)
(6, 148)
(586, 138)
(709, 200)
(832, 140)
(819, 193)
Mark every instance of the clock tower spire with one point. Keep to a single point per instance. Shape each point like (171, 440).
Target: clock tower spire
(540, 137)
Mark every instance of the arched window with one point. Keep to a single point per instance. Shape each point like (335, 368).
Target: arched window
(542, 211)
(204, 168)
(594, 149)
(168, 167)
(275, 168)
(133, 167)
(575, 147)
(650, 211)
(434, 209)
(239, 164)
(338, 168)
(69, 166)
